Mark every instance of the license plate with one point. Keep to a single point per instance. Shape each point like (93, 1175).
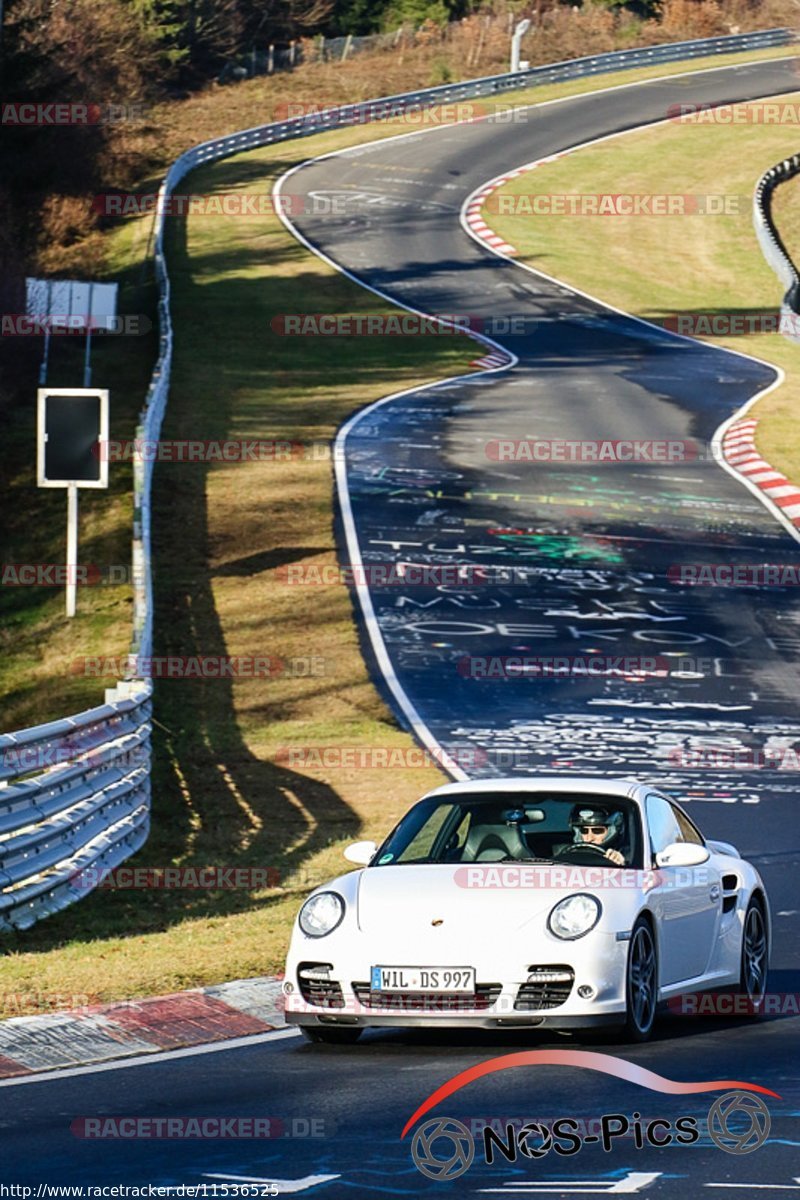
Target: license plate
(422, 979)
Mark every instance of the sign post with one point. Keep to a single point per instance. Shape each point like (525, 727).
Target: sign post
(72, 452)
(72, 548)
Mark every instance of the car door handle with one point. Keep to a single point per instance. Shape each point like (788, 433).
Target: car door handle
(714, 893)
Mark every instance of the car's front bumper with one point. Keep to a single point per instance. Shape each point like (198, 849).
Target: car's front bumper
(595, 996)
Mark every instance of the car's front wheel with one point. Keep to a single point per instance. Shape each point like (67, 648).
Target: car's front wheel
(641, 983)
(340, 1035)
(753, 973)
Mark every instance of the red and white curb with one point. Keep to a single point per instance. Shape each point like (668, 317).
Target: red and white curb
(132, 1027)
(739, 451)
(474, 218)
(473, 214)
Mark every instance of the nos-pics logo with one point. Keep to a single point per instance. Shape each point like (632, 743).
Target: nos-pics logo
(444, 1149)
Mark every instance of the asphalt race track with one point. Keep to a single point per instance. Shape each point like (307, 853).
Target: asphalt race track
(588, 552)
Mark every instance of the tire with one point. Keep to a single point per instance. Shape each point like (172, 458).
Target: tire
(641, 983)
(329, 1035)
(754, 965)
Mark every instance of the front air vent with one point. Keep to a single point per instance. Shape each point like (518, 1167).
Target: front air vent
(545, 987)
(317, 987)
(730, 892)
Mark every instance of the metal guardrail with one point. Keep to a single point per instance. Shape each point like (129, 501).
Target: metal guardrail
(772, 246)
(75, 794)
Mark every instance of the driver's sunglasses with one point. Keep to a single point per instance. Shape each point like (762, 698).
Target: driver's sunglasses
(593, 828)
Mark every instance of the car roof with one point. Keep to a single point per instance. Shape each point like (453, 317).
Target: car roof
(531, 784)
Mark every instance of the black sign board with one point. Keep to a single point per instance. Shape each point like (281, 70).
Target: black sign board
(73, 435)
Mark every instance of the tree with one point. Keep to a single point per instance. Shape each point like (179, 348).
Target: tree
(194, 37)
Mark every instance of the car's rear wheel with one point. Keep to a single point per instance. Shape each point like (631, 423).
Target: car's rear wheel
(753, 972)
(641, 983)
(329, 1035)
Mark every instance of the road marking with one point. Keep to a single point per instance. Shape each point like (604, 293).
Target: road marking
(285, 1187)
(253, 1039)
(634, 1181)
(786, 1187)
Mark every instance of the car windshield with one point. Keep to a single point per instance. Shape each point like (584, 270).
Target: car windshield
(584, 830)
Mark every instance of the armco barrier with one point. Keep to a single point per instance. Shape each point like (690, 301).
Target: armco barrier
(772, 247)
(91, 805)
(73, 794)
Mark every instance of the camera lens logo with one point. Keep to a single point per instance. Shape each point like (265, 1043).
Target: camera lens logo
(450, 1137)
(535, 1140)
(739, 1122)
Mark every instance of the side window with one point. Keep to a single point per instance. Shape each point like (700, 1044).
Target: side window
(421, 845)
(662, 824)
(688, 831)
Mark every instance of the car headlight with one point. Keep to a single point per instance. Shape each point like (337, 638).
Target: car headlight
(575, 916)
(321, 914)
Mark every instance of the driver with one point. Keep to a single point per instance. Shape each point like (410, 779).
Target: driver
(601, 827)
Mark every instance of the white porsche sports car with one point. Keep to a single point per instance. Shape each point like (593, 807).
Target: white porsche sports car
(528, 902)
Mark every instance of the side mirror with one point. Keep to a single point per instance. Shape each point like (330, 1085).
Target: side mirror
(360, 853)
(682, 854)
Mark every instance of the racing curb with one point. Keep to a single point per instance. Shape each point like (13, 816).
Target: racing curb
(479, 227)
(739, 452)
(474, 217)
(97, 1034)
